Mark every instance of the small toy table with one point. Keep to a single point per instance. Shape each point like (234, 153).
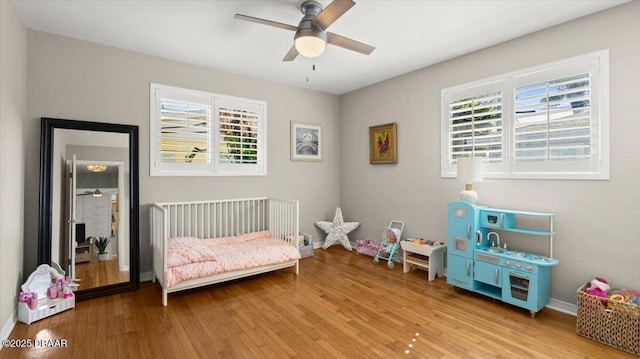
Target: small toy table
(423, 256)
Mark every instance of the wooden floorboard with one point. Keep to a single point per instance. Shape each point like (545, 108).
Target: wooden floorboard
(100, 273)
(341, 305)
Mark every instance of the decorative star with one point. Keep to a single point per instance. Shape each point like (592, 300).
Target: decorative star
(337, 230)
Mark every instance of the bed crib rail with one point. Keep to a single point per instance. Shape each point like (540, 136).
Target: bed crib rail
(220, 218)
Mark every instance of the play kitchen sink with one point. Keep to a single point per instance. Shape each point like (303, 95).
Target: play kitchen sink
(477, 261)
(494, 250)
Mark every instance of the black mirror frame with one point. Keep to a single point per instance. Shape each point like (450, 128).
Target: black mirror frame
(46, 199)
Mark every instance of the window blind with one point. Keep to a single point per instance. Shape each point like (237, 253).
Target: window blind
(553, 120)
(197, 133)
(185, 132)
(545, 122)
(475, 127)
(238, 135)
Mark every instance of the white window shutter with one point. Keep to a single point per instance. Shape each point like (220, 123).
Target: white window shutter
(549, 121)
(240, 136)
(553, 125)
(185, 132)
(475, 127)
(196, 133)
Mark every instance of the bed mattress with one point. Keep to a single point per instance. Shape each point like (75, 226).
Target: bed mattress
(191, 257)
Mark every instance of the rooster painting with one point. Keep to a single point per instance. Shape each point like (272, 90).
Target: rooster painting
(383, 144)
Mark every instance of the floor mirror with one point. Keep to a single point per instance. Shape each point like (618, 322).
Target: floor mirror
(89, 204)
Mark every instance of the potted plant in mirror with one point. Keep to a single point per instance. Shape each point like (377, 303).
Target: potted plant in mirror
(102, 243)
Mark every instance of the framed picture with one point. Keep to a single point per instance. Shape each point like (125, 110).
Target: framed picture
(383, 144)
(306, 141)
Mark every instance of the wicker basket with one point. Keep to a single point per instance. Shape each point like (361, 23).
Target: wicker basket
(618, 326)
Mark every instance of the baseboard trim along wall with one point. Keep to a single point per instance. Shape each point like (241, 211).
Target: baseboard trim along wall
(9, 325)
(563, 307)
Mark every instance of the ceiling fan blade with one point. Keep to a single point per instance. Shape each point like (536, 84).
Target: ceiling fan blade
(266, 22)
(349, 44)
(292, 54)
(332, 12)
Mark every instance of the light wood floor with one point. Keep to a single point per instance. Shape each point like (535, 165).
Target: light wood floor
(341, 305)
(100, 273)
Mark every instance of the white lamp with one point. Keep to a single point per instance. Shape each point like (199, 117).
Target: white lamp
(310, 42)
(469, 170)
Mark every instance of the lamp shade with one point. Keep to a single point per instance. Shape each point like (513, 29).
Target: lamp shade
(310, 42)
(470, 169)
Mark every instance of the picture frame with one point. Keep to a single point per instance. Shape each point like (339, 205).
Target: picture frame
(306, 141)
(383, 144)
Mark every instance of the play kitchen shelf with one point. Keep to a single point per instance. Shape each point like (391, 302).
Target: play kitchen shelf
(505, 219)
(477, 262)
(423, 256)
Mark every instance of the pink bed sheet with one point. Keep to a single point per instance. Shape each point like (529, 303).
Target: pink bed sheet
(226, 254)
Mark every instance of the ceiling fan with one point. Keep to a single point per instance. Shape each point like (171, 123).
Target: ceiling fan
(311, 37)
(96, 193)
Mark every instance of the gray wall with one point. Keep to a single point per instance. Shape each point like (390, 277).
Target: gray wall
(596, 224)
(75, 79)
(13, 109)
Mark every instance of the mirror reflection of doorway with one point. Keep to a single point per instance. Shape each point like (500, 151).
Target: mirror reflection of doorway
(94, 259)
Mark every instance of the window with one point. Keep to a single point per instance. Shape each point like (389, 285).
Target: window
(196, 133)
(546, 122)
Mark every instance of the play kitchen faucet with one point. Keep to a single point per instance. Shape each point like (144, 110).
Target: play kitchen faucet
(495, 243)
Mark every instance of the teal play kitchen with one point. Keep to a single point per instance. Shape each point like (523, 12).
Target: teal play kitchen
(477, 261)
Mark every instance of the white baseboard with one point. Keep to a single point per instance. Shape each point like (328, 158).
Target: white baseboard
(317, 245)
(563, 307)
(9, 325)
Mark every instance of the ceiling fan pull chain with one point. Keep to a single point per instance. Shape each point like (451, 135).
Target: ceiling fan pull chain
(313, 67)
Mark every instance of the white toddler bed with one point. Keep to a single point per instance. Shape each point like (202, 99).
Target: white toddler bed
(225, 239)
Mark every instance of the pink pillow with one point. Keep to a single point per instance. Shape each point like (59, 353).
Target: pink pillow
(185, 250)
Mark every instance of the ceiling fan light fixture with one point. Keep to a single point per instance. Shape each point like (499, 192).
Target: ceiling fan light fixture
(310, 42)
(97, 193)
(96, 168)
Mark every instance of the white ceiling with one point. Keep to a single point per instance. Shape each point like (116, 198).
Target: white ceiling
(408, 35)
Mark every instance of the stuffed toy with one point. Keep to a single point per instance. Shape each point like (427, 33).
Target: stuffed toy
(387, 247)
(599, 287)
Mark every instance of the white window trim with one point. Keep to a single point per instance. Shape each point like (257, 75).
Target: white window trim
(215, 168)
(600, 111)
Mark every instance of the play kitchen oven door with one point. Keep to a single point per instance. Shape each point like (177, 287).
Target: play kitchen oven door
(520, 288)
